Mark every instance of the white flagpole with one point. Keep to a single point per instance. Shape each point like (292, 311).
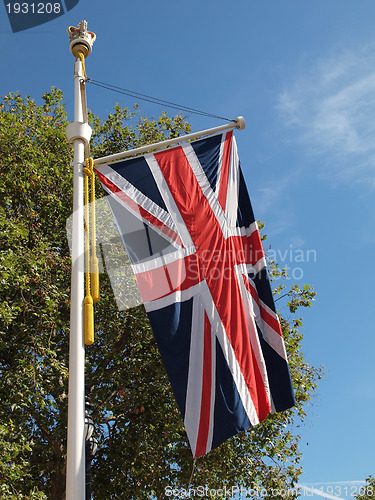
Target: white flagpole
(238, 123)
(78, 134)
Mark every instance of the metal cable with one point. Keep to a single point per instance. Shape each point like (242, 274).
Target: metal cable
(155, 100)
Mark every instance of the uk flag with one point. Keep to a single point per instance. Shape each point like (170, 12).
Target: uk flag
(201, 272)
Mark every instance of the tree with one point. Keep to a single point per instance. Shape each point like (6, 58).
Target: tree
(367, 492)
(142, 443)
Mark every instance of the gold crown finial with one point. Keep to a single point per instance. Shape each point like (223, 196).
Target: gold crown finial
(81, 40)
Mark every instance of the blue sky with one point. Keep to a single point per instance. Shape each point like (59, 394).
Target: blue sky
(303, 76)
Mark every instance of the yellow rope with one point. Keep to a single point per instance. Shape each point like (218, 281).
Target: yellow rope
(91, 265)
(82, 57)
(94, 264)
(88, 308)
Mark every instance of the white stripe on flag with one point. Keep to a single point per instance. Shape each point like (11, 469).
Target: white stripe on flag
(206, 187)
(273, 338)
(213, 391)
(251, 327)
(231, 207)
(140, 199)
(179, 224)
(220, 165)
(178, 296)
(195, 375)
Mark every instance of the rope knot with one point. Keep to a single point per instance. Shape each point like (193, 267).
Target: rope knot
(89, 168)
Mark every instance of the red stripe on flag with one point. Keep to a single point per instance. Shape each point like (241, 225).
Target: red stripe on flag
(178, 275)
(223, 188)
(204, 421)
(172, 235)
(251, 250)
(266, 316)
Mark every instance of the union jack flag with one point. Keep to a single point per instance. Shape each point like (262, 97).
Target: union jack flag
(201, 272)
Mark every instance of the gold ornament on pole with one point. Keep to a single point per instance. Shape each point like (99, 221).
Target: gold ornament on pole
(81, 40)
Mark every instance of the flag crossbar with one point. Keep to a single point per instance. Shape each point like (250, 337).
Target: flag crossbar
(238, 123)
